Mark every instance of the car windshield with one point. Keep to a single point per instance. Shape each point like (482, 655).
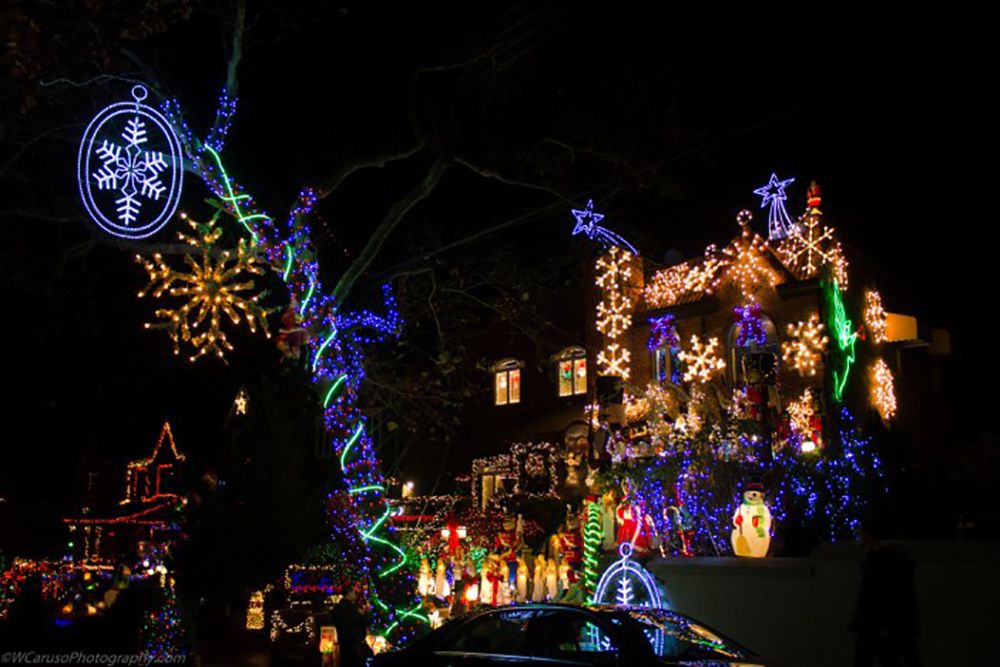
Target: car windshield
(674, 636)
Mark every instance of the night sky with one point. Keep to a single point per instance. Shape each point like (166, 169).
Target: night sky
(890, 121)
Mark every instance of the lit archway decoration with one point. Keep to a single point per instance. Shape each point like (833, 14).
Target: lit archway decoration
(130, 168)
(625, 582)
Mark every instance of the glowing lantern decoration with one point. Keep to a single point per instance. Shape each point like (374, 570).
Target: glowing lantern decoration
(472, 593)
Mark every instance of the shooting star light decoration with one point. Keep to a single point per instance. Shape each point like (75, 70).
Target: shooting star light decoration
(586, 223)
(779, 224)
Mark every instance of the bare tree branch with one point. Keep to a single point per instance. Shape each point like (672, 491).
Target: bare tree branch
(27, 144)
(573, 150)
(239, 23)
(381, 233)
(34, 215)
(335, 181)
(489, 173)
(63, 81)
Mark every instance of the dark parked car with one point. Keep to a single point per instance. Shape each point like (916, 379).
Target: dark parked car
(553, 634)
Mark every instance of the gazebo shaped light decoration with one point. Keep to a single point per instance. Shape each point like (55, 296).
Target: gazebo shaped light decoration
(627, 583)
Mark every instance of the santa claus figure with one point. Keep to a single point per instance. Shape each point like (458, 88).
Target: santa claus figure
(291, 336)
(634, 526)
(751, 534)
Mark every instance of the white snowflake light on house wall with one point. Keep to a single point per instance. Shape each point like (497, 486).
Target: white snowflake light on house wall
(702, 361)
(805, 347)
(876, 318)
(614, 312)
(130, 168)
(883, 390)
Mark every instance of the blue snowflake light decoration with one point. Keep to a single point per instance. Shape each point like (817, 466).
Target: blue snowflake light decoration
(586, 223)
(779, 224)
(130, 168)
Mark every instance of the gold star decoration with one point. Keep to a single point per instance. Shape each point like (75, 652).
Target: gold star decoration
(211, 289)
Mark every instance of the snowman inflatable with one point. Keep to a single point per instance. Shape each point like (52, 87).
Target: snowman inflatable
(751, 535)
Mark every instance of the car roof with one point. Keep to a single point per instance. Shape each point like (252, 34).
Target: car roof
(593, 608)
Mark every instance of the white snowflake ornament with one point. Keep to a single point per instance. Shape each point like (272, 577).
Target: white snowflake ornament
(130, 168)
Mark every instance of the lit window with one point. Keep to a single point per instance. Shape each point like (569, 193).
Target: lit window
(753, 361)
(507, 382)
(572, 365)
(661, 362)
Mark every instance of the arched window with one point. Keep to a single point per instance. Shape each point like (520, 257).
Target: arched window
(571, 365)
(507, 382)
(753, 352)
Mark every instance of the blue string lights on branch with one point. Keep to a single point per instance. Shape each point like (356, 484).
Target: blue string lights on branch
(779, 223)
(334, 352)
(586, 224)
(130, 168)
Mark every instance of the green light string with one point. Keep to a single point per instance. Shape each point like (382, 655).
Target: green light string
(233, 198)
(350, 443)
(843, 332)
(375, 526)
(337, 384)
(592, 538)
(407, 613)
(366, 489)
(319, 352)
(309, 296)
